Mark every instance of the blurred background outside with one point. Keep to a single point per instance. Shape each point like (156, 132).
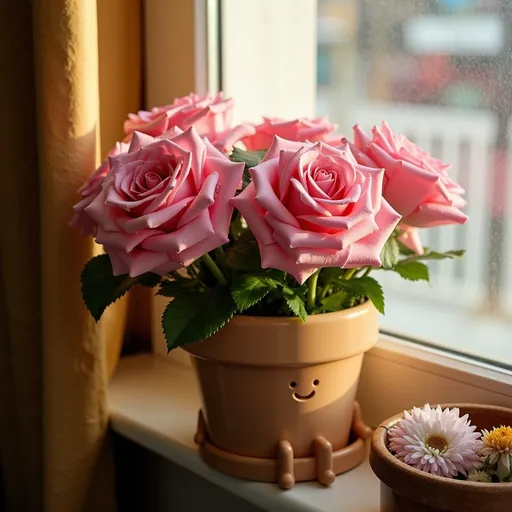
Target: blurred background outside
(439, 71)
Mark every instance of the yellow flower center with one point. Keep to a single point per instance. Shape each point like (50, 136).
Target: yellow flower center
(437, 442)
(500, 439)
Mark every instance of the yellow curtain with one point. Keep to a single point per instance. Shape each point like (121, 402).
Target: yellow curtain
(68, 69)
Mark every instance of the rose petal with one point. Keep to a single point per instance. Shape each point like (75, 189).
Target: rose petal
(103, 214)
(279, 144)
(230, 176)
(298, 238)
(153, 219)
(360, 157)
(307, 200)
(137, 262)
(191, 254)
(155, 127)
(418, 183)
(119, 267)
(253, 214)
(123, 241)
(362, 208)
(361, 139)
(183, 238)
(190, 141)
(324, 258)
(409, 236)
(139, 140)
(273, 256)
(430, 215)
(204, 199)
(225, 141)
(300, 129)
(290, 162)
(262, 175)
(366, 252)
(167, 267)
(179, 185)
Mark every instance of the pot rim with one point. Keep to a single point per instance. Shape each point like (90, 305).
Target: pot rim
(287, 341)
(333, 315)
(381, 450)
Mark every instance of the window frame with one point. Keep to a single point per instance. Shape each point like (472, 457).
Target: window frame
(397, 373)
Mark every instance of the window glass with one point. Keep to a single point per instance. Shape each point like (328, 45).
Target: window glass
(440, 72)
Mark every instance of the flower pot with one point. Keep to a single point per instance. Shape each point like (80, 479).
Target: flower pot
(265, 380)
(407, 489)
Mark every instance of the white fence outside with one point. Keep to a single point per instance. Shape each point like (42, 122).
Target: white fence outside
(464, 138)
(506, 299)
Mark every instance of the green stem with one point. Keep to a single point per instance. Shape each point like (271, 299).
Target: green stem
(367, 271)
(221, 257)
(350, 273)
(312, 283)
(214, 269)
(191, 269)
(324, 291)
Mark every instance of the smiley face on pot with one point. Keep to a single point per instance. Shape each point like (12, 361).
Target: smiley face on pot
(301, 392)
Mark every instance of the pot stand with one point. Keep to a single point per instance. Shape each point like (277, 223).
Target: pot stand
(285, 470)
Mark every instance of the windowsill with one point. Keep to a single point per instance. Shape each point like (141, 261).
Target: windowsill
(155, 402)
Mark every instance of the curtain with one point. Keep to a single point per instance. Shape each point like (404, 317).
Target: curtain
(70, 72)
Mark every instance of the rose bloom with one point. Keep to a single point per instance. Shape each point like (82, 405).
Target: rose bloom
(416, 184)
(164, 203)
(301, 129)
(210, 115)
(311, 206)
(90, 189)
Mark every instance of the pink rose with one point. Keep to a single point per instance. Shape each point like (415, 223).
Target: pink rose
(301, 129)
(312, 206)
(90, 189)
(164, 203)
(410, 237)
(415, 184)
(209, 115)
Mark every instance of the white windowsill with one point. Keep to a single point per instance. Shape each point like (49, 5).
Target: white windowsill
(154, 403)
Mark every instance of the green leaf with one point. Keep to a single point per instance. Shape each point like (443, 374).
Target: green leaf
(413, 270)
(373, 290)
(249, 158)
(248, 289)
(149, 280)
(196, 316)
(236, 228)
(172, 288)
(390, 254)
(334, 302)
(295, 303)
(329, 274)
(244, 254)
(100, 287)
(433, 255)
(368, 287)
(279, 278)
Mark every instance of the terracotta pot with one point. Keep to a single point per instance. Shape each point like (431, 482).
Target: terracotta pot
(406, 489)
(268, 379)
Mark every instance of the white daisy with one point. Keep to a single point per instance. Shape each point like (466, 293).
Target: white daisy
(436, 441)
(477, 475)
(497, 448)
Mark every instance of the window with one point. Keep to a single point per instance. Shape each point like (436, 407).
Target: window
(438, 71)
